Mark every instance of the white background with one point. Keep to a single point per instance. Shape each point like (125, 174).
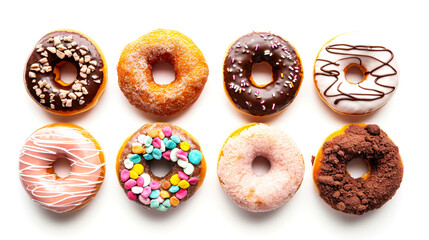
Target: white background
(213, 26)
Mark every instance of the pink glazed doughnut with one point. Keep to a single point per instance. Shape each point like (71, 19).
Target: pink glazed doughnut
(87, 167)
(260, 193)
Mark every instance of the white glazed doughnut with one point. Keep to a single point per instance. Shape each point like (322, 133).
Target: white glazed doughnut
(269, 191)
(377, 63)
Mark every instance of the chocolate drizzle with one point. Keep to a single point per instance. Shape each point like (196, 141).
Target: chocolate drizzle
(357, 52)
(257, 47)
(41, 78)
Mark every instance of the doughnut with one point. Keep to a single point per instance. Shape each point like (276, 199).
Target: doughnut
(87, 168)
(42, 75)
(160, 141)
(376, 62)
(287, 73)
(269, 191)
(136, 79)
(357, 195)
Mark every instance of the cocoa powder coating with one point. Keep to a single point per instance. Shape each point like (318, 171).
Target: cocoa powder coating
(358, 195)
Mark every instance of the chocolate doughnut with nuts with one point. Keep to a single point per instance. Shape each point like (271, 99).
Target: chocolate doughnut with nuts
(357, 195)
(42, 75)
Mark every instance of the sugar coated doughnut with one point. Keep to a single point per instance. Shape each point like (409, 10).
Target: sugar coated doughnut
(154, 142)
(287, 73)
(61, 141)
(136, 79)
(42, 75)
(376, 62)
(357, 195)
(269, 191)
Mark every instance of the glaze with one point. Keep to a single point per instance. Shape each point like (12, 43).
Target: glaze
(380, 71)
(258, 47)
(61, 141)
(42, 74)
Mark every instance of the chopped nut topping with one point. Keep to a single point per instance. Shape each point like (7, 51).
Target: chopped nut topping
(83, 75)
(82, 52)
(43, 60)
(83, 69)
(52, 49)
(76, 57)
(61, 55)
(93, 63)
(68, 53)
(72, 96)
(69, 103)
(84, 90)
(57, 41)
(31, 74)
(44, 54)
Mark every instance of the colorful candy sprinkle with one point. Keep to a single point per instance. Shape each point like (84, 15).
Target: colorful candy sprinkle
(138, 168)
(154, 185)
(181, 193)
(175, 179)
(125, 175)
(183, 184)
(182, 175)
(167, 131)
(195, 157)
(175, 139)
(184, 146)
(158, 144)
(146, 192)
(174, 201)
(154, 194)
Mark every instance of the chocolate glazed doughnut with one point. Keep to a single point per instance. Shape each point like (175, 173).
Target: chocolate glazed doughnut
(357, 195)
(42, 72)
(287, 73)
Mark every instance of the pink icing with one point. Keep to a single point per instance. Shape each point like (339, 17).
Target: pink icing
(271, 190)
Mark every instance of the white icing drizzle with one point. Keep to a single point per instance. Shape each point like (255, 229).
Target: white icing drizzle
(38, 154)
(359, 49)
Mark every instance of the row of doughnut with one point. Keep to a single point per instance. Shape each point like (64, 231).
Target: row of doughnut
(164, 141)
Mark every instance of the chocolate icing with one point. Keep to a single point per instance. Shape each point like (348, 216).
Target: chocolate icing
(358, 52)
(175, 168)
(358, 195)
(48, 95)
(286, 67)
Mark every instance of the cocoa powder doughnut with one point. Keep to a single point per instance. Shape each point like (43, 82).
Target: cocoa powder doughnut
(42, 74)
(357, 195)
(287, 73)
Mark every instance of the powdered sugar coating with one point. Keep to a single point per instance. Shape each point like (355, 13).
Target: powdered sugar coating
(136, 79)
(267, 192)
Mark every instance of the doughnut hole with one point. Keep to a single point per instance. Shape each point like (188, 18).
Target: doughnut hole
(65, 73)
(62, 167)
(355, 73)
(358, 168)
(161, 167)
(163, 73)
(262, 74)
(260, 165)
